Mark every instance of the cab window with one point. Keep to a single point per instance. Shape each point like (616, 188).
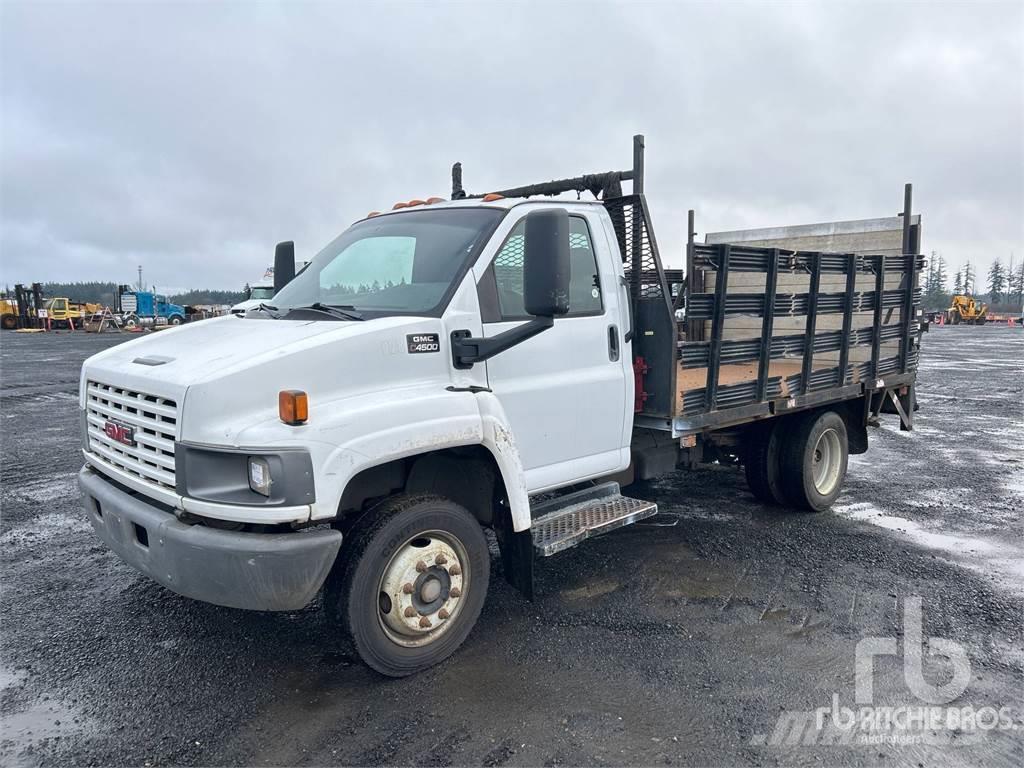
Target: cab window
(501, 289)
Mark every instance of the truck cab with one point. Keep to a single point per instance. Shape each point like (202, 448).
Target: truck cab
(147, 308)
(369, 380)
(447, 367)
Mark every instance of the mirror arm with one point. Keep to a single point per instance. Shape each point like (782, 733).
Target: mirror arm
(467, 350)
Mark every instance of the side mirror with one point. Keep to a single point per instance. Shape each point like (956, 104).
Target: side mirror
(284, 264)
(546, 263)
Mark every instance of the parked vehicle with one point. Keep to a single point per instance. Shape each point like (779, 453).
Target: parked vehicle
(966, 309)
(8, 314)
(493, 361)
(147, 308)
(61, 309)
(25, 309)
(259, 292)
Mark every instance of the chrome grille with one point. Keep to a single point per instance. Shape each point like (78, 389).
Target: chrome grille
(153, 419)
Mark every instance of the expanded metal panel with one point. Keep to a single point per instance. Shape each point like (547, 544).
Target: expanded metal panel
(567, 527)
(508, 262)
(632, 231)
(152, 421)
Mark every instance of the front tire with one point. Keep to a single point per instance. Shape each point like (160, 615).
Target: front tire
(814, 460)
(409, 584)
(176, 320)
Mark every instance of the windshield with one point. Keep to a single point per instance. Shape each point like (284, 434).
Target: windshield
(263, 293)
(400, 264)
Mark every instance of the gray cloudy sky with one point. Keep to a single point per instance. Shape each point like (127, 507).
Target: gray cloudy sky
(189, 137)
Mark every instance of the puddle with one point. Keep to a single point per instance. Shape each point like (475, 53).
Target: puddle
(26, 726)
(977, 553)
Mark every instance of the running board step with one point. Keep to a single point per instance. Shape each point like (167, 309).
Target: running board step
(564, 522)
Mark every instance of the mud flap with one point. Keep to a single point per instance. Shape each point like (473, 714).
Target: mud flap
(516, 554)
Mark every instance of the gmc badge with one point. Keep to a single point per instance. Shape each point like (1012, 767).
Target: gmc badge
(422, 342)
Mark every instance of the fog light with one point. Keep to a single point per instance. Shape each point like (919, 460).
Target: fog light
(259, 475)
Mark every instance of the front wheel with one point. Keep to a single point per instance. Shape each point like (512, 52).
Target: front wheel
(814, 459)
(410, 582)
(176, 320)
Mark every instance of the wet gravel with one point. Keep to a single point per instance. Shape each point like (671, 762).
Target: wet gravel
(673, 643)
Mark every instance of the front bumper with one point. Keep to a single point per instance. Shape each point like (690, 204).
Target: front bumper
(258, 571)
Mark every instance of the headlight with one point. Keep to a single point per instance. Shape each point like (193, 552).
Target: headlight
(259, 475)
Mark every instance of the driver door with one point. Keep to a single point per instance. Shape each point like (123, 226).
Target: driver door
(564, 389)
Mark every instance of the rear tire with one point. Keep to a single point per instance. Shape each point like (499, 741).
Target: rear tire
(814, 460)
(410, 582)
(762, 463)
(9, 322)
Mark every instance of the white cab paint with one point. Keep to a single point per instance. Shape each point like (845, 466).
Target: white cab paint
(558, 410)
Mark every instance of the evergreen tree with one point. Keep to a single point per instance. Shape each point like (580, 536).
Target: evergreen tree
(996, 281)
(958, 282)
(941, 277)
(929, 278)
(1016, 281)
(968, 278)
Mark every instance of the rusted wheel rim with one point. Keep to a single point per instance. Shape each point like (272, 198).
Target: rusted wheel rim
(423, 588)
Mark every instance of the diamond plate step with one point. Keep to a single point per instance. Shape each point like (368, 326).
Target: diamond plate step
(580, 516)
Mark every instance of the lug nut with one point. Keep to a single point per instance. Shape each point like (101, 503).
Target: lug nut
(410, 612)
(421, 566)
(424, 622)
(441, 560)
(407, 589)
(455, 592)
(443, 613)
(455, 571)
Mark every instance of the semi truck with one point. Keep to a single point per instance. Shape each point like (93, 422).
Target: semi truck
(138, 308)
(493, 362)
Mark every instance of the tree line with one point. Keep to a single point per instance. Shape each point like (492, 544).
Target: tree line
(1003, 286)
(103, 293)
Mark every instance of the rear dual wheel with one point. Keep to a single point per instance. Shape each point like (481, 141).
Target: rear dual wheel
(799, 461)
(410, 582)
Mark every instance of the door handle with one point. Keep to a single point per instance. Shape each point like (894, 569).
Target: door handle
(613, 343)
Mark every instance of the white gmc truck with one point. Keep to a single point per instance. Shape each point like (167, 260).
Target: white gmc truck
(489, 362)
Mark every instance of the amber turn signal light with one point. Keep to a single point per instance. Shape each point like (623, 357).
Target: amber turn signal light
(293, 406)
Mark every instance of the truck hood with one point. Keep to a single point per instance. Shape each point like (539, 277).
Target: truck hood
(180, 356)
(226, 372)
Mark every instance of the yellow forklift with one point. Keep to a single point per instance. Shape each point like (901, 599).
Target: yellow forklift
(966, 309)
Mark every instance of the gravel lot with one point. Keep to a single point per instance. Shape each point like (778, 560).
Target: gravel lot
(675, 643)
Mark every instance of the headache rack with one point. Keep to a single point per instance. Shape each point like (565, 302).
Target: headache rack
(766, 330)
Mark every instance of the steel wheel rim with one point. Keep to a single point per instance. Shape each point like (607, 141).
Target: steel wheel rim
(423, 588)
(826, 462)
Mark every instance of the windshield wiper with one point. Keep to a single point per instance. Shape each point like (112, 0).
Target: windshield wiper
(270, 309)
(345, 311)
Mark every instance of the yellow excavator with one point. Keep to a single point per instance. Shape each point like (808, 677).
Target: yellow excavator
(966, 309)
